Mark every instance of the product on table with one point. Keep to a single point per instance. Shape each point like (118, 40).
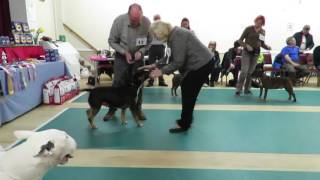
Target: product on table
(17, 77)
(4, 58)
(17, 38)
(23, 39)
(52, 55)
(4, 41)
(29, 39)
(21, 33)
(25, 28)
(16, 27)
(59, 90)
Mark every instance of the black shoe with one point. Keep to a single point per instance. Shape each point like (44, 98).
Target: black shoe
(177, 130)
(248, 92)
(237, 93)
(163, 84)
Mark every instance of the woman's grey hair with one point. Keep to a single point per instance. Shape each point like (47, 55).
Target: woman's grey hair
(289, 39)
(160, 27)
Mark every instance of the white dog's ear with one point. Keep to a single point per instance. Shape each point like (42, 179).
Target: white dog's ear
(46, 149)
(21, 135)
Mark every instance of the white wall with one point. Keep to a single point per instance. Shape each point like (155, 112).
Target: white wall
(45, 16)
(36, 13)
(220, 20)
(18, 10)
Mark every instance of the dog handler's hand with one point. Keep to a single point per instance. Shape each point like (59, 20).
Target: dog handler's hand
(138, 56)
(129, 58)
(151, 66)
(249, 48)
(156, 73)
(296, 65)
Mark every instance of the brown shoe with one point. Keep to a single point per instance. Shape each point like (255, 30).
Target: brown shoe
(109, 115)
(141, 116)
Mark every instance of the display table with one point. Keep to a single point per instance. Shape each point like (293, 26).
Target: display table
(23, 101)
(22, 52)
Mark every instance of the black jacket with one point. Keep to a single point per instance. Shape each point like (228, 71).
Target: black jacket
(228, 58)
(309, 38)
(216, 56)
(316, 57)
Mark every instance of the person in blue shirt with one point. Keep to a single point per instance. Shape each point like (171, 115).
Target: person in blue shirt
(291, 61)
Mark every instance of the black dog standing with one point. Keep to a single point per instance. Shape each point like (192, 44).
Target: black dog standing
(119, 97)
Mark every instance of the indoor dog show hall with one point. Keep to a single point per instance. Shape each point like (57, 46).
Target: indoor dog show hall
(159, 89)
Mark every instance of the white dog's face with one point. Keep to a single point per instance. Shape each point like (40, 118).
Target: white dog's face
(53, 146)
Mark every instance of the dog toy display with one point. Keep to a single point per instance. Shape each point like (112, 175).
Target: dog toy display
(40, 152)
(21, 33)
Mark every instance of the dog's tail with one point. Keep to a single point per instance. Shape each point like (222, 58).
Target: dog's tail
(86, 89)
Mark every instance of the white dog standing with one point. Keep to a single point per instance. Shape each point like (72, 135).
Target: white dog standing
(33, 158)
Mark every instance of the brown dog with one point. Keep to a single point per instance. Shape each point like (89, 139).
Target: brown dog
(276, 83)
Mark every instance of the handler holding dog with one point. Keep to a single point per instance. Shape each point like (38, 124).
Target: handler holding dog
(129, 37)
(191, 58)
(251, 40)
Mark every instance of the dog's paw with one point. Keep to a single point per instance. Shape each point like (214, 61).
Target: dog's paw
(140, 124)
(93, 127)
(261, 100)
(124, 123)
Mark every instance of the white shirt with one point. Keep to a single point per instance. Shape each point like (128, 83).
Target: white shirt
(303, 43)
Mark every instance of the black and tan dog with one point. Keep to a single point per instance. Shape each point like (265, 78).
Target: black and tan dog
(118, 97)
(176, 82)
(276, 83)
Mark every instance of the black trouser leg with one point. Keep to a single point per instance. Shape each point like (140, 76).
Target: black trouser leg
(215, 72)
(235, 73)
(156, 52)
(190, 89)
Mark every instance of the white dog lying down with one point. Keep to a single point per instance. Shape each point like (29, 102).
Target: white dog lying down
(32, 159)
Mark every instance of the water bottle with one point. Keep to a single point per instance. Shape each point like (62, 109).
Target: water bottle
(4, 58)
